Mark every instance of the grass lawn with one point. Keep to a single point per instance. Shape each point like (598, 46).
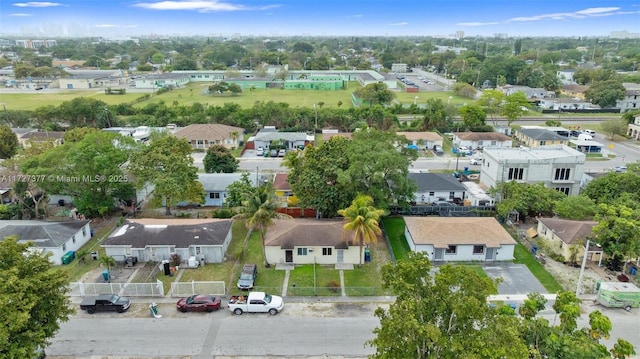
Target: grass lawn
(30, 101)
(522, 256)
(309, 281)
(77, 269)
(364, 281)
(394, 227)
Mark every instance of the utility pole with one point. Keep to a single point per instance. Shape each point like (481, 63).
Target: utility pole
(584, 263)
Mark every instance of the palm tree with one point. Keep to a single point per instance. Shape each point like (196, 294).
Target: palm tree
(258, 210)
(234, 136)
(107, 261)
(361, 219)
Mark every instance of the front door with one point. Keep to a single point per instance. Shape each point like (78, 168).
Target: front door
(288, 256)
(491, 254)
(439, 254)
(340, 256)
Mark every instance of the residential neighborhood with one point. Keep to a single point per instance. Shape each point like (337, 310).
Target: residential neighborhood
(479, 186)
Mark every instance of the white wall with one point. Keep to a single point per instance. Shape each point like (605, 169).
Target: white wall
(314, 255)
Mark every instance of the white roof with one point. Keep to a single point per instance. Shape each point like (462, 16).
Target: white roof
(536, 153)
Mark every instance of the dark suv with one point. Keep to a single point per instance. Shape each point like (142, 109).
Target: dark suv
(248, 276)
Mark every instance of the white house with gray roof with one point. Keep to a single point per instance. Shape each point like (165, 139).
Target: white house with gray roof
(56, 238)
(216, 186)
(291, 140)
(557, 166)
(436, 187)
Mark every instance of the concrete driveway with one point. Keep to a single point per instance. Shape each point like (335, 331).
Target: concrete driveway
(516, 278)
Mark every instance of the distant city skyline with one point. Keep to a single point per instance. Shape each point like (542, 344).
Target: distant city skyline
(515, 18)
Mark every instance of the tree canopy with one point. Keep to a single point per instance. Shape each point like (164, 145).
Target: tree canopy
(33, 299)
(167, 163)
(375, 93)
(8, 142)
(219, 160)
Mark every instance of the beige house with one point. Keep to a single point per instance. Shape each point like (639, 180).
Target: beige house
(568, 238)
(308, 241)
(634, 129)
(459, 238)
(55, 137)
(203, 136)
(424, 140)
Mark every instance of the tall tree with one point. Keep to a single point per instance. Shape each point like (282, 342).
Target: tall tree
(33, 299)
(445, 315)
(219, 160)
(375, 94)
(362, 221)
(491, 101)
(614, 127)
(8, 142)
(514, 106)
(167, 164)
(605, 93)
(258, 210)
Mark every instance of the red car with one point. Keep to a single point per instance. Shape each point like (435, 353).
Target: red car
(198, 303)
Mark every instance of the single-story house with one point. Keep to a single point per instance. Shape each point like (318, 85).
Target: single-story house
(290, 140)
(55, 137)
(529, 92)
(475, 140)
(535, 137)
(423, 140)
(477, 195)
(56, 238)
(158, 239)
(203, 136)
(574, 91)
(283, 188)
(306, 241)
(216, 186)
(559, 104)
(328, 134)
(436, 187)
(459, 238)
(568, 238)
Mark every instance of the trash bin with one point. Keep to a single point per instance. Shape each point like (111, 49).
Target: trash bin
(91, 232)
(598, 285)
(534, 250)
(367, 255)
(166, 268)
(94, 256)
(105, 275)
(68, 257)
(633, 270)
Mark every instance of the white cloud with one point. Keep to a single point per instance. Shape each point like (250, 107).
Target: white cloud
(581, 14)
(20, 14)
(37, 4)
(105, 25)
(399, 24)
(200, 6)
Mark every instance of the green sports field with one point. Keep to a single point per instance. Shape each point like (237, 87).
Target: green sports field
(195, 92)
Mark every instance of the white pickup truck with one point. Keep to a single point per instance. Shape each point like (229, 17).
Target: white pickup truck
(256, 302)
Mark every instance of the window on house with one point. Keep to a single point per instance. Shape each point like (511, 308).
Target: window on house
(200, 142)
(542, 142)
(84, 231)
(452, 195)
(493, 143)
(431, 194)
(480, 143)
(198, 250)
(451, 250)
(562, 174)
(172, 250)
(564, 190)
(478, 249)
(214, 195)
(327, 251)
(302, 251)
(64, 247)
(73, 238)
(515, 173)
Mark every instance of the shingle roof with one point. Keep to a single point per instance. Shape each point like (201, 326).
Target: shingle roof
(436, 182)
(288, 233)
(280, 182)
(428, 136)
(542, 134)
(567, 230)
(442, 232)
(43, 234)
(482, 136)
(182, 233)
(218, 182)
(41, 135)
(210, 132)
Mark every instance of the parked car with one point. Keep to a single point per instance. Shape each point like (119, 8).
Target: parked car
(260, 151)
(273, 153)
(619, 169)
(198, 303)
(247, 276)
(281, 153)
(475, 161)
(105, 302)
(256, 302)
(589, 132)
(438, 150)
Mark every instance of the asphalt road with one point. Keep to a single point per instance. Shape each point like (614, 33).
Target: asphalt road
(301, 331)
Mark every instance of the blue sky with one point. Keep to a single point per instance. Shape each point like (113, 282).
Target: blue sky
(319, 17)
